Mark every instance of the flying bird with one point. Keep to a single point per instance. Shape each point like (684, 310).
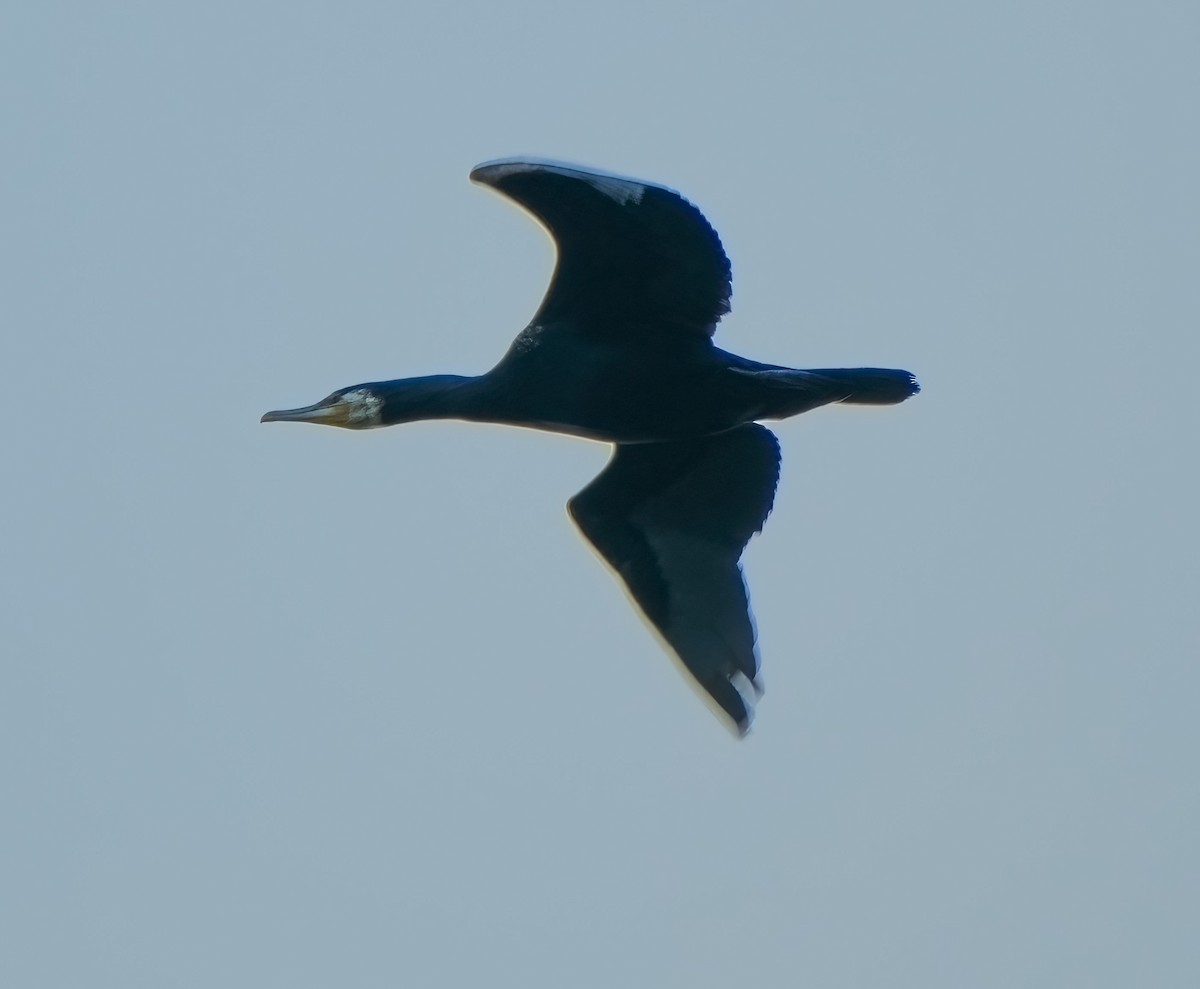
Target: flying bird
(621, 351)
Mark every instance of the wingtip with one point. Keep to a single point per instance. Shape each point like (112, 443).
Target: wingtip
(742, 728)
(487, 172)
(736, 696)
(493, 171)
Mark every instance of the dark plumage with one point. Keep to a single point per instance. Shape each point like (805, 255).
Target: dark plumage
(620, 350)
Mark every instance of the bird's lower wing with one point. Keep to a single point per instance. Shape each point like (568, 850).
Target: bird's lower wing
(672, 520)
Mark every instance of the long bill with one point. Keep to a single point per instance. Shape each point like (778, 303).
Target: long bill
(327, 413)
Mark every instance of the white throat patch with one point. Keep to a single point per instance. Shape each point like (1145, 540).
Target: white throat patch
(364, 407)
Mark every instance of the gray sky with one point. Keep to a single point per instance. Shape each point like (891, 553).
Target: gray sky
(287, 706)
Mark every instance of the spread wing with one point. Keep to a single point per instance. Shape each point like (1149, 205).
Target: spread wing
(630, 254)
(672, 520)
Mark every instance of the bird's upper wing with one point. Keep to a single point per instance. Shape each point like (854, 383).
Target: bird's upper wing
(672, 520)
(630, 253)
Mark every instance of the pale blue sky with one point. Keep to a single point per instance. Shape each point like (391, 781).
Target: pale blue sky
(300, 707)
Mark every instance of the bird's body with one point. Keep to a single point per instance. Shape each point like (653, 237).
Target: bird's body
(642, 390)
(620, 351)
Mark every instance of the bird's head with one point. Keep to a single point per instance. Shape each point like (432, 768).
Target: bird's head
(386, 403)
(356, 407)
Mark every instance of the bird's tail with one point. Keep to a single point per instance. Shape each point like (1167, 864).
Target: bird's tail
(790, 392)
(865, 385)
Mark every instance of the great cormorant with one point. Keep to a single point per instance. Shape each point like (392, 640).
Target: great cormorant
(621, 351)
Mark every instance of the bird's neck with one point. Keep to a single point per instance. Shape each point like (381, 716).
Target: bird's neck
(435, 396)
